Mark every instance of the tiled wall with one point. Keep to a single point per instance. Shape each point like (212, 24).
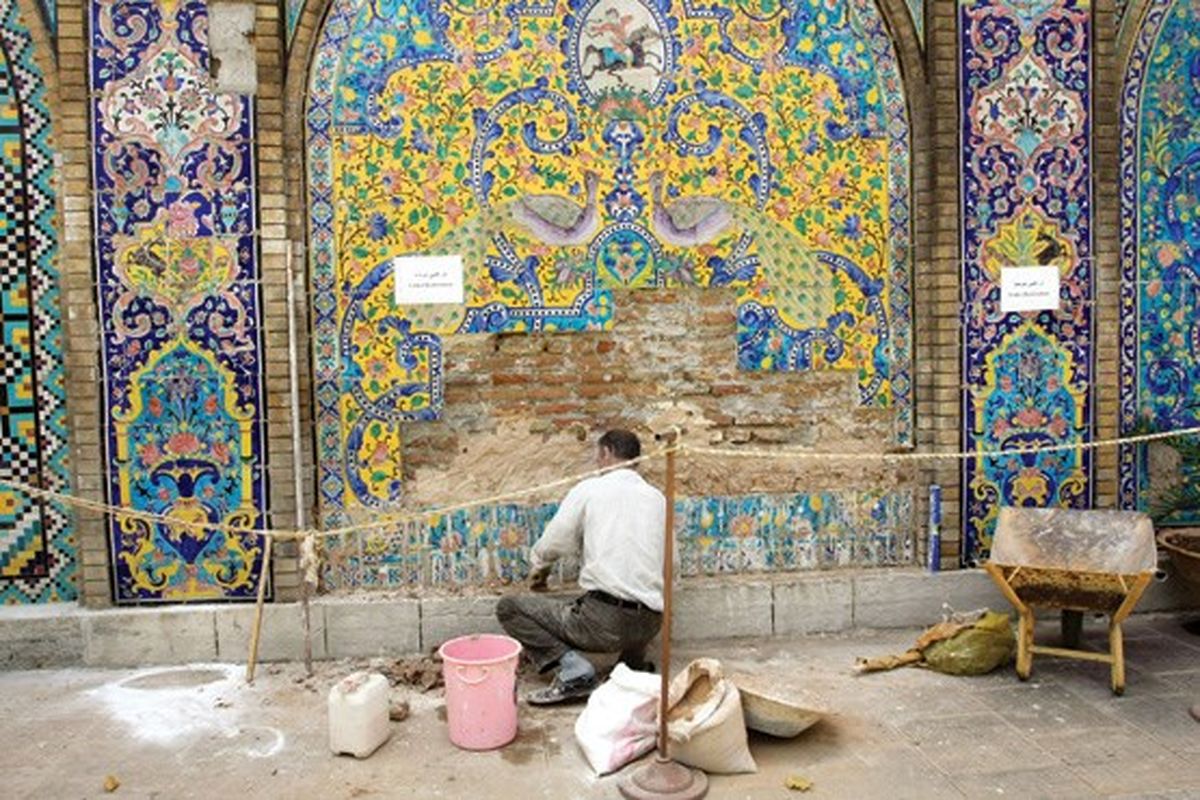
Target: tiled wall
(540, 164)
(1025, 116)
(38, 552)
(1160, 232)
(175, 219)
(715, 535)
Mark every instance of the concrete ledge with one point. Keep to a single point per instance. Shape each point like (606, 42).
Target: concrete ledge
(282, 637)
(40, 641)
(443, 618)
(814, 605)
(1169, 594)
(131, 637)
(716, 610)
(362, 626)
(356, 628)
(904, 599)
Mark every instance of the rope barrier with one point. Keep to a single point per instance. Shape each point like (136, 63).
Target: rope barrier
(415, 516)
(398, 518)
(814, 455)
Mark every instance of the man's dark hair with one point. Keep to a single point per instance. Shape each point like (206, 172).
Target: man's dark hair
(623, 444)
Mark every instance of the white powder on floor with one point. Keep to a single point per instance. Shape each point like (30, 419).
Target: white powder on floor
(158, 707)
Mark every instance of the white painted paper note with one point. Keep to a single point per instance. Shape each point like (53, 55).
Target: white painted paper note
(426, 280)
(1028, 289)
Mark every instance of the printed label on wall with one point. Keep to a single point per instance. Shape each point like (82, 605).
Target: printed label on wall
(421, 280)
(1028, 289)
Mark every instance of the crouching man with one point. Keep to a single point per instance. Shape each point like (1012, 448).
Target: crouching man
(614, 523)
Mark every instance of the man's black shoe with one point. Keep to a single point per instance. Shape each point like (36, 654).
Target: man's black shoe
(641, 665)
(562, 692)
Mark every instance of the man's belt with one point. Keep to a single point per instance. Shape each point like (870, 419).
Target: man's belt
(605, 597)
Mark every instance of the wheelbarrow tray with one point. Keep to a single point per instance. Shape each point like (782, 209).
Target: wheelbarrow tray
(1100, 561)
(1050, 587)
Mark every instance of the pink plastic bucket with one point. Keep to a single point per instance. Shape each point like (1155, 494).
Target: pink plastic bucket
(481, 690)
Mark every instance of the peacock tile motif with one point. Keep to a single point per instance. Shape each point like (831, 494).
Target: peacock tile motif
(571, 151)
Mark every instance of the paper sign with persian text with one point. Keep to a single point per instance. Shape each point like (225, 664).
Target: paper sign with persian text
(1028, 289)
(426, 280)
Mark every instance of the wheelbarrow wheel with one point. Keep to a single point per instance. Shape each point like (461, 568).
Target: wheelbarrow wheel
(1072, 628)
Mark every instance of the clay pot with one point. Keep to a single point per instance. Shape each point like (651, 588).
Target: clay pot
(1184, 546)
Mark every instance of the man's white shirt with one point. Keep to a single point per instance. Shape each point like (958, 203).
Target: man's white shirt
(617, 520)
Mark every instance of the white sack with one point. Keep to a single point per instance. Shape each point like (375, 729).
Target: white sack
(704, 720)
(620, 722)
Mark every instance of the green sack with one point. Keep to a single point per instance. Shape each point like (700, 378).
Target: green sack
(979, 649)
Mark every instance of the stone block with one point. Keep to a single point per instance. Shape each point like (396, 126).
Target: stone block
(41, 636)
(282, 637)
(814, 604)
(909, 598)
(131, 637)
(1170, 592)
(231, 38)
(366, 627)
(728, 608)
(443, 618)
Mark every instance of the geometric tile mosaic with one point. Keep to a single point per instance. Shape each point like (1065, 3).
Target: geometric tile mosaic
(573, 151)
(1160, 235)
(1025, 106)
(38, 555)
(177, 255)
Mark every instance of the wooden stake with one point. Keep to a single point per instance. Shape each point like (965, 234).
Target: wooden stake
(297, 451)
(258, 610)
(305, 590)
(668, 596)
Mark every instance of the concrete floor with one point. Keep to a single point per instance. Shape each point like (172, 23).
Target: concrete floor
(173, 732)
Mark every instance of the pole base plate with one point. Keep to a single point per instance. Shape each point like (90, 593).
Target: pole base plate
(664, 780)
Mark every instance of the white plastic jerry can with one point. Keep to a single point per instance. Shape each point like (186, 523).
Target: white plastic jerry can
(358, 714)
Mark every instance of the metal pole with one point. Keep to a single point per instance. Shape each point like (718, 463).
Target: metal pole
(668, 595)
(662, 778)
(297, 451)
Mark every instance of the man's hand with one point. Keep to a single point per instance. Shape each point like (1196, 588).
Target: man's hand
(537, 578)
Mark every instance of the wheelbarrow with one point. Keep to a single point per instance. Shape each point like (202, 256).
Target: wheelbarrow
(1099, 561)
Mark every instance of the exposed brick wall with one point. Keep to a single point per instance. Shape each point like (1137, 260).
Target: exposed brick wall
(80, 323)
(1106, 86)
(669, 359)
(274, 168)
(938, 289)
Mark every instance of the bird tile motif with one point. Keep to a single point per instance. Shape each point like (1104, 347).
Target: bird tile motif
(573, 151)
